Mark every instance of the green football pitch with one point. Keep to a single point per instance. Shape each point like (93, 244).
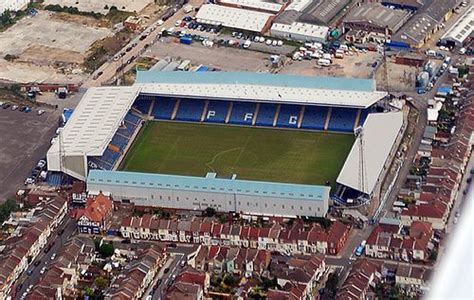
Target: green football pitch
(265, 154)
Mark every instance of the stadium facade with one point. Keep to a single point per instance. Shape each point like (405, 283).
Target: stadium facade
(222, 194)
(107, 119)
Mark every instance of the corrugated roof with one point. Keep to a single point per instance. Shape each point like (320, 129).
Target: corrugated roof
(233, 17)
(255, 4)
(297, 28)
(462, 28)
(380, 131)
(210, 185)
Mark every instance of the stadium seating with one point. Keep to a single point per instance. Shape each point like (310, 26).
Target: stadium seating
(54, 179)
(266, 114)
(126, 130)
(163, 108)
(314, 117)
(216, 111)
(132, 119)
(120, 141)
(342, 119)
(363, 115)
(288, 116)
(143, 104)
(242, 113)
(190, 110)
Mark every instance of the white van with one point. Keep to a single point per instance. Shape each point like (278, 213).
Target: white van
(324, 62)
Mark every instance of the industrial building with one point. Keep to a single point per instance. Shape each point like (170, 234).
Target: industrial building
(235, 18)
(371, 155)
(298, 31)
(459, 32)
(257, 5)
(427, 21)
(377, 21)
(12, 5)
(222, 194)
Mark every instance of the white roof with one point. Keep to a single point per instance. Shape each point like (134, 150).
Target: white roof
(462, 28)
(380, 131)
(255, 4)
(233, 17)
(299, 5)
(95, 120)
(263, 93)
(304, 29)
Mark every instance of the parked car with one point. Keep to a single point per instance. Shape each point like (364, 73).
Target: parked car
(43, 270)
(40, 112)
(6, 105)
(15, 107)
(29, 180)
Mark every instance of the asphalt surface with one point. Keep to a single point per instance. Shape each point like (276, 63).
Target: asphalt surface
(26, 280)
(25, 139)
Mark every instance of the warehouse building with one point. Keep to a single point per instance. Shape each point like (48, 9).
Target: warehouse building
(222, 194)
(460, 30)
(235, 18)
(375, 20)
(426, 22)
(257, 5)
(303, 32)
(413, 5)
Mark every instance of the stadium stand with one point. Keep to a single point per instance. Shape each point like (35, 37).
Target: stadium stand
(132, 119)
(120, 141)
(363, 115)
(266, 114)
(190, 110)
(342, 119)
(54, 178)
(143, 103)
(288, 116)
(242, 113)
(163, 108)
(314, 117)
(216, 111)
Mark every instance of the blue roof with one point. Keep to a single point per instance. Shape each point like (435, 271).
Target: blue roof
(445, 89)
(285, 80)
(209, 184)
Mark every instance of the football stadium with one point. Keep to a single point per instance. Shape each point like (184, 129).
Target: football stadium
(253, 143)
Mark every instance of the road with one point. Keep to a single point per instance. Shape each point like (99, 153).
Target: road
(25, 280)
(108, 70)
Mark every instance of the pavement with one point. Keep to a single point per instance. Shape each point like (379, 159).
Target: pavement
(26, 280)
(109, 70)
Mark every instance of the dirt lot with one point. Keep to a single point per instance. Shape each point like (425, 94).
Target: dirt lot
(227, 59)
(99, 6)
(358, 65)
(401, 78)
(25, 139)
(42, 44)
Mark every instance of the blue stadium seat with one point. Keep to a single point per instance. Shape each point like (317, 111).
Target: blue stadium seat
(342, 119)
(133, 119)
(126, 130)
(119, 141)
(288, 116)
(363, 115)
(143, 105)
(314, 117)
(163, 108)
(216, 111)
(266, 114)
(190, 110)
(54, 178)
(242, 113)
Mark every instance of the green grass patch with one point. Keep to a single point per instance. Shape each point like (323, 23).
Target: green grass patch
(267, 154)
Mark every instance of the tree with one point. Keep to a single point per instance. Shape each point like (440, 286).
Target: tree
(106, 250)
(100, 282)
(6, 18)
(433, 255)
(331, 283)
(6, 209)
(229, 280)
(210, 212)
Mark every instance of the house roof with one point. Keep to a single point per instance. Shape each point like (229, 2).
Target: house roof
(97, 208)
(436, 210)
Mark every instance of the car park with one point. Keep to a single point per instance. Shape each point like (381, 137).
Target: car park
(268, 42)
(274, 42)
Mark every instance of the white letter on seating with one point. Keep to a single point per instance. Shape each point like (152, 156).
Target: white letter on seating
(210, 113)
(248, 116)
(293, 120)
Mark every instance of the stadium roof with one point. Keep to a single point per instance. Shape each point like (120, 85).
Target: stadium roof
(95, 120)
(233, 17)
(210, 184)
(254, 4)
(462, 28)
(380, 131)
(333, 91)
